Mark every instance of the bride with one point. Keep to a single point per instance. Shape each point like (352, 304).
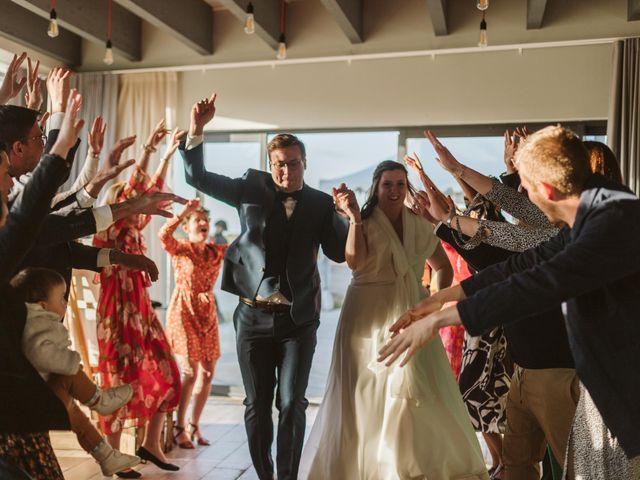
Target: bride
(379, 423)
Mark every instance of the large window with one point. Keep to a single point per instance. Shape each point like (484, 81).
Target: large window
(333, 158)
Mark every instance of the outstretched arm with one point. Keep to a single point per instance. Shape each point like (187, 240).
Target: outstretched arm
(218, 186)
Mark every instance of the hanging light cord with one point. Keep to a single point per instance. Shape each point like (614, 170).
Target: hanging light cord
(109, 20)
(282, 18)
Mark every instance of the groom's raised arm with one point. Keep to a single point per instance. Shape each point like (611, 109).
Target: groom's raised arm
(220, 187)
(225, 189)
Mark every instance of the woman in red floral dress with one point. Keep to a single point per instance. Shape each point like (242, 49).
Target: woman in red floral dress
(133, 347)
(192, 321)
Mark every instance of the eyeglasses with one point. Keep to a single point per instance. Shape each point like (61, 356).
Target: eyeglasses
(42, 137)
(292, 165)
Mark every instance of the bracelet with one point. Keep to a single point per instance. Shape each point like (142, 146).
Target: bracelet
(149, 148)
(459, 172)
(450, 217)
(94, 154)
(355, 223)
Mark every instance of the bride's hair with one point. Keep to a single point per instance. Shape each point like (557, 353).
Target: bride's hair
(372, 199)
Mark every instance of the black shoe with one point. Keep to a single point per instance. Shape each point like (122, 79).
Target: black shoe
(147, 456)
(129, 474)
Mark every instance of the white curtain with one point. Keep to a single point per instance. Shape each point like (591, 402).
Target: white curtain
(623, 127)
(100, 97)
(144, 99)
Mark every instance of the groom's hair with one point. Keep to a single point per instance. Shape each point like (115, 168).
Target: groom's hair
(284, 140)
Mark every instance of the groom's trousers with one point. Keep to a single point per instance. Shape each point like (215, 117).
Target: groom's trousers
(275, 356)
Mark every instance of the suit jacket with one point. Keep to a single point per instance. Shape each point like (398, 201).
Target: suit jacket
(316, 224)
(595, 268)
(54, 247)
(28, 404)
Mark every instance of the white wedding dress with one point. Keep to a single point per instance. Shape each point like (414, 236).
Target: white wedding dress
(379, 423)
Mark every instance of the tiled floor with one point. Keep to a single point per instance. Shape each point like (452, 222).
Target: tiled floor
(226, 459)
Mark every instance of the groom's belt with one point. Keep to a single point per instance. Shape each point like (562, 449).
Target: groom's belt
(267, 307)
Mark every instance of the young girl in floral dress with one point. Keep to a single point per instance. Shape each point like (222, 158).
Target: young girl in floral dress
(133, 347)
(192, 322)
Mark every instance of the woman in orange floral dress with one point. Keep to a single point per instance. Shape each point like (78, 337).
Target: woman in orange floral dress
(192, 322)
(132, 344)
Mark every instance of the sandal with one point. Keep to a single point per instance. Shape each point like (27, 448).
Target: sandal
(187, 444)
(195, 431)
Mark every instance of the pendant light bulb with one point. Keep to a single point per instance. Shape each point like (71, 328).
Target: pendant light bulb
(249, 23)
(482, 4)
(53, 31)
(282, 48)
(483, 34)
(108, 54)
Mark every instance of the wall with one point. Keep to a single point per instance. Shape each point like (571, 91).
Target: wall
(551, 84)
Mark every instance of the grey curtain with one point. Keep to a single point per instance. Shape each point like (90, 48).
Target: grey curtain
(623, 128)
(100, 97)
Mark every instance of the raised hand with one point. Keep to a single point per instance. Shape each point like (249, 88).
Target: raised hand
(191, 206)
(510, 148)
(11, 86)
(136, 262)
(59, 86)
(156, 203)
(112, 166)
(174, 142)
(346, 202)
(445, 159)
(202, 113)
(42, 121)
(33, 95)
(96, 136)
(422, 207)
(159, 132)
(71, 126)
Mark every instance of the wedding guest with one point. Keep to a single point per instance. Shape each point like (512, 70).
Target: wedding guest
(29, 407)
(133, 346)
(588, 266)
(45, 343)
(192, 320)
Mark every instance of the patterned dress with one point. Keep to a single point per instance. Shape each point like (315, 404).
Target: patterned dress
(453, 336)
(31, 452)
(192, 321)
(133, 346)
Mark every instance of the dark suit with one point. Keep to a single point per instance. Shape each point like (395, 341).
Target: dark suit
(54, 247)
(28, 404)
(273, 349)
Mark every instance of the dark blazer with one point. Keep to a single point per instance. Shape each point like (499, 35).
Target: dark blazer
(317, 224)
(595, 268)
(54, 247)
(538, 342)
(28, 404)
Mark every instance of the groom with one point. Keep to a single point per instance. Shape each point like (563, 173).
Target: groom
(272, 267)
